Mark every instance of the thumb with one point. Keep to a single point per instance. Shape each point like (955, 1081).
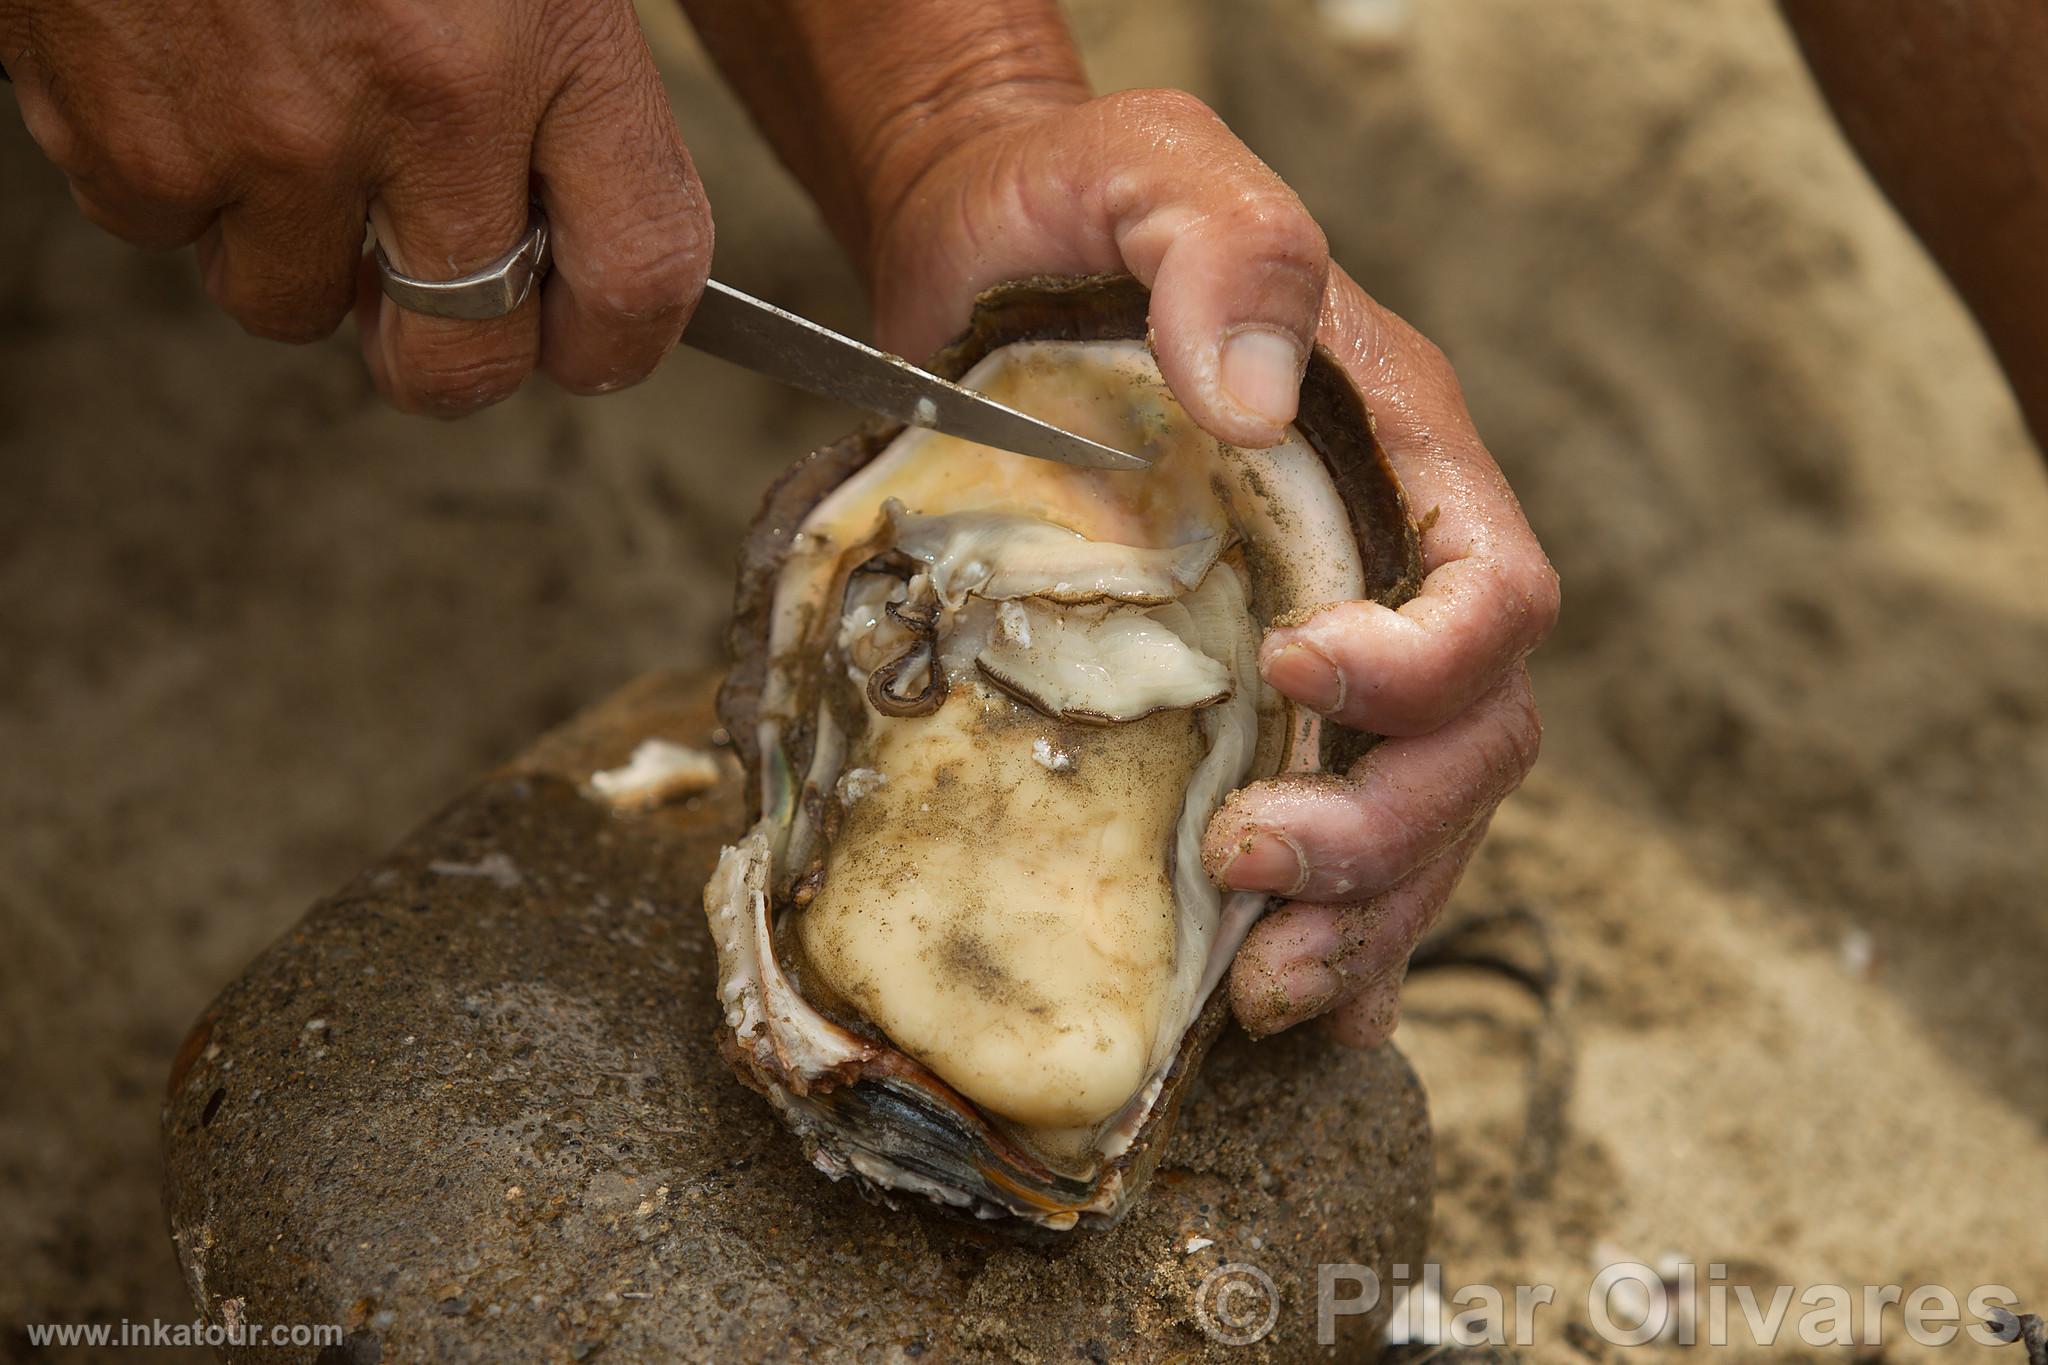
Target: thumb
(1145, 181)
(1236, 265)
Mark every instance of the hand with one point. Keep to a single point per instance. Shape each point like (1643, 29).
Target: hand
(1367, 863)
(1151, 182)
(1148, 182)
(265, 133)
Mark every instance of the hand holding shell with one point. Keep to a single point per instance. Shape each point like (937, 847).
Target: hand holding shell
(1152, 183)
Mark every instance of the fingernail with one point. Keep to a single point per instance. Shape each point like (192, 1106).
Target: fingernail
(1266, 862)
(1305, 673)
(1262, 373)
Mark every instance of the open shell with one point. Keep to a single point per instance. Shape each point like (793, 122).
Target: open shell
(862, 1107)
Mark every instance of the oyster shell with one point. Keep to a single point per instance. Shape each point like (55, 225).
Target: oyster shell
(987, 705)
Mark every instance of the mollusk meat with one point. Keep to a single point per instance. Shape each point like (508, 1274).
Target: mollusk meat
(988, 705)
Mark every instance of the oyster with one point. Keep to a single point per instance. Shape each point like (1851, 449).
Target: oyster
(987, 705)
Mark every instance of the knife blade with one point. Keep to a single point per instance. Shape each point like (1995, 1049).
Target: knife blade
(793, 350)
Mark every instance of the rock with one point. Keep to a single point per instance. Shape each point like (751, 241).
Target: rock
(471, 1108)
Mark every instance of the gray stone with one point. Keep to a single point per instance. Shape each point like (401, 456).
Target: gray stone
(471, 1108)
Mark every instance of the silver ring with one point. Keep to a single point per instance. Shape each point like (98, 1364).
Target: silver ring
(492, 292)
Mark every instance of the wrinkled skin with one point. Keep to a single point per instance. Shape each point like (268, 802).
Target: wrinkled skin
(263, 134)
(1152, 183)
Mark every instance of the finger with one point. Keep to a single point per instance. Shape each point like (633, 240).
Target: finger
(1489, 596)
(449, 210)
(1369, 1017)
(1236, 265)
(631, 229)
(1150, 182)
(1307, 959)
(1320, 838)
(285, 266)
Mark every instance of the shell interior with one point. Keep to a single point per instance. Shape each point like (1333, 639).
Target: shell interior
(968, 941)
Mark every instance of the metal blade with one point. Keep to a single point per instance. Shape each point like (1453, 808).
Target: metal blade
(798, 352)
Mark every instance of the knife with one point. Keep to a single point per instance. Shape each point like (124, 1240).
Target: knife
(796, 351)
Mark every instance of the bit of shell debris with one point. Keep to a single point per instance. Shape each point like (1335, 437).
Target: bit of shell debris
(1047, 755)
(1196, 1244)
(659, 771)
(1859, 952)
(1367, 23)
(1013, 624)
(858, 784)
(496, 867)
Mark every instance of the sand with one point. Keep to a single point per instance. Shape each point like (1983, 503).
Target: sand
(1788, 825)
(1786, 833)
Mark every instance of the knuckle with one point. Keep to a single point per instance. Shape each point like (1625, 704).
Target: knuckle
(1288, 245)
(1251, 198)
(1521, 724)
(1291, 261)
(625, 297)
(1293, 238)
(301, 148)
(1265, 205)
(1537, 596)
(1424, 355)
(158, 175)
(646, 278)
(1441, 686)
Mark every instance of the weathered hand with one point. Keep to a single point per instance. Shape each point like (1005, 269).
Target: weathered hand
(1151, 182)
(1368, 861)
(265, 133)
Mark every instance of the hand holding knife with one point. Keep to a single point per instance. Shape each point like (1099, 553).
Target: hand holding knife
(789, 349)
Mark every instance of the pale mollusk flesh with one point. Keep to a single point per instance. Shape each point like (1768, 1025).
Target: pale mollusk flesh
(967, 946)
